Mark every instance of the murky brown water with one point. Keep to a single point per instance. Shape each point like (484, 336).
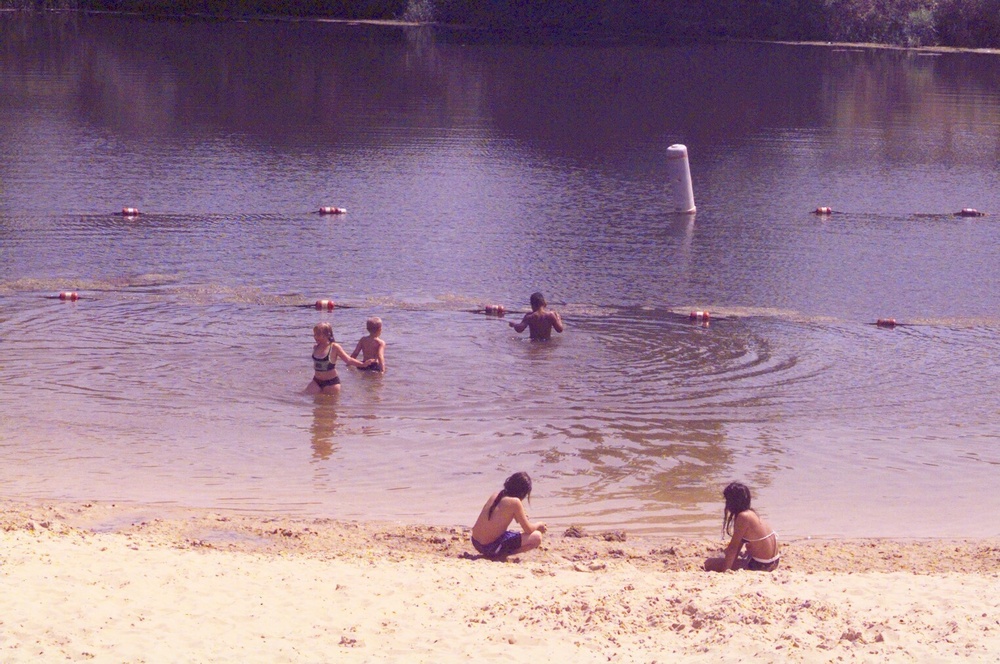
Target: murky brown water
(477, 173)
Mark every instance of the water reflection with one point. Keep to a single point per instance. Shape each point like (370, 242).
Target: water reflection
(197, 77)
(324, 427)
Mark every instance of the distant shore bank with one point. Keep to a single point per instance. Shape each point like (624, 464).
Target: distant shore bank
(907, 23)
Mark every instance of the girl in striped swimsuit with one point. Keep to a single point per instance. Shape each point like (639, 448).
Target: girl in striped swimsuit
(324, 356)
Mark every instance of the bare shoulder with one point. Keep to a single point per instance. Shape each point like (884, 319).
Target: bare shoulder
(747, 518)
(509, 505)
(751, 525)
(510, 501)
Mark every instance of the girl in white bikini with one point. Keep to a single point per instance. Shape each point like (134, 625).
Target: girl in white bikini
(746, 528)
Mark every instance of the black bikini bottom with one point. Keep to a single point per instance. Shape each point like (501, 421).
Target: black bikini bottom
(327, 383)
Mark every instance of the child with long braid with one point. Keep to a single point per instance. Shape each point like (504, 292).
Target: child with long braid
(490, 535)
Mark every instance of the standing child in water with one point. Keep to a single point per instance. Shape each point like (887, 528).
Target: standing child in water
(324, 356)
(372, 346)
(490, 535)
(747, 529)
(540, 321)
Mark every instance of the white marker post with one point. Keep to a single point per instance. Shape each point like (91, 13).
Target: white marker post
(679, 173)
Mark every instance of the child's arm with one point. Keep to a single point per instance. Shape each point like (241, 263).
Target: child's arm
(736, 543)
(381, 354)
(342, 354)
(522, 326)
(357, 349)
(556, 322)
(522, 518)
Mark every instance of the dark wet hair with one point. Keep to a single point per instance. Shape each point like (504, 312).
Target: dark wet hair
(737, 497)
(517, 486)
(537, 301)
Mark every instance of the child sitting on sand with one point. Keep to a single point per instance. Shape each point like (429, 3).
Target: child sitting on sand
(747, 529)
(490, 535)
(540, 321)
(372, 346)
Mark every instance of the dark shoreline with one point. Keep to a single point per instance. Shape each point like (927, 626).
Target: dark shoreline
(946, 24)
(471, 34)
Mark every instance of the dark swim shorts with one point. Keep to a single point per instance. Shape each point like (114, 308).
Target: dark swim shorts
(501, 547)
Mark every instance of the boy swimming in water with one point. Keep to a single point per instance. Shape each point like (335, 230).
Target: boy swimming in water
(372, 346)
(540, 321)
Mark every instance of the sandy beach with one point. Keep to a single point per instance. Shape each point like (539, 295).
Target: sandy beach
(107, 583)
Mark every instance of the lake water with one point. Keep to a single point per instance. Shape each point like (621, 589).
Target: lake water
(474, 173)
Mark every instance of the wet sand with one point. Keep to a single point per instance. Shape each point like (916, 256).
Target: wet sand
(100, 582)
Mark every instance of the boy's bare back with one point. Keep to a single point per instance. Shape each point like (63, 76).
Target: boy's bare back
(509, 509)
(372, 346)
(540, 323)
(489, 528)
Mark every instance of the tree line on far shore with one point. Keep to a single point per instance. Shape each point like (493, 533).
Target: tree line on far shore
(913, 23)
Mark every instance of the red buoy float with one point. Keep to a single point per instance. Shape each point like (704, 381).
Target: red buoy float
(332, 210)
(325, 304)
(495, 309)
(130, 212)
(886, 322)
(970, 212)
(69, 296)
(700, 315)
(823, 210)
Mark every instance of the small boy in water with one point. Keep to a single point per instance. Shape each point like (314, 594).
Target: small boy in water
(372, 346)
(540, 321)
